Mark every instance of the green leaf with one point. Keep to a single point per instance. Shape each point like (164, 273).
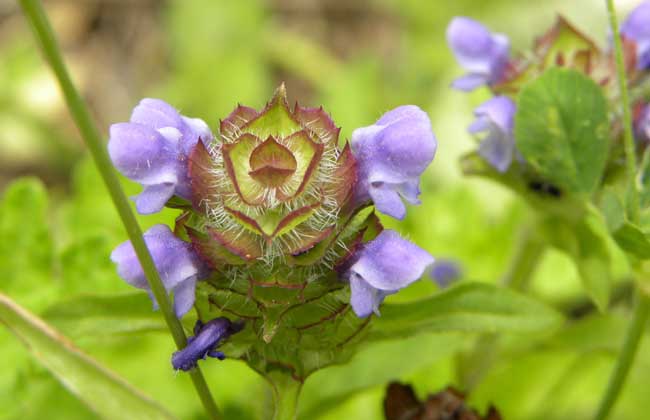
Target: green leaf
(102, 390)
(633, 240)
(94, 316)
(26, 248)
(470, 307)
(561, 128)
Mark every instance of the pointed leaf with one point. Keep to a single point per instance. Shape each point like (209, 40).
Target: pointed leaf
(470, 307)
(102, 390)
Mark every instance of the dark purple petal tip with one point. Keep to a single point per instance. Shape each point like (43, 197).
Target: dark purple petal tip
(444, 272)
(207, 338)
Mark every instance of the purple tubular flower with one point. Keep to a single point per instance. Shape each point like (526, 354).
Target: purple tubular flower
(175, 260)
(152, 149)
(494, 124)
(637, 28)
(383, 267)
(483, 54)
(391, 155)
(204, 343)
(445, 272)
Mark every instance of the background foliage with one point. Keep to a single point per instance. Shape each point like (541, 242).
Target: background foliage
(358, 59)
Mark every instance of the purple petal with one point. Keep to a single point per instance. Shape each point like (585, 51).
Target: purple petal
(391, 155)
(153, 198)
(637, 25)
(642, 124)
(142, 154)
(156, 114)
(184, 295)
(203, 344)
(444, 272)
(493, 125)
(363, 297)
(387, 200)
(483, 54)
(470, 82)
(174, 259)
(390, 263)
(195, 129)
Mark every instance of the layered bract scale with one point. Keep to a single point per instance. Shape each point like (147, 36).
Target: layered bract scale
(272, 216)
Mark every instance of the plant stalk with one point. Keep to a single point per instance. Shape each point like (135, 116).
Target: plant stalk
(642, 304)
(286, 391)
(44, 34)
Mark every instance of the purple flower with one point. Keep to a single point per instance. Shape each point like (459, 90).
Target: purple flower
(175, 260)
(642, 124)
(445, 272)
(153, 149)
(494, 124)
(204, 343)
(382, 267)
(483, 54)
(637, 29)
(391, 155)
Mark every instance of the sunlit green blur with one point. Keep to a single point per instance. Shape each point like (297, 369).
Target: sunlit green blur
(356, 58)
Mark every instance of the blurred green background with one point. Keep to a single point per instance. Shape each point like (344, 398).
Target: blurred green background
(357, 58)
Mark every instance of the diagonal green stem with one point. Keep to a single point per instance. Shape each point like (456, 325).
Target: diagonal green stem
(642, 305)
(626, 356)
(44, 34)
(628, 132)
(286, 391)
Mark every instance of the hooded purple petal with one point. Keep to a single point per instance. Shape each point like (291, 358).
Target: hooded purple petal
(179, 267)
(391, 155)
(483, 54)
(206, 339)
(494, 125)
(384, 266)
(637, 28)
(153, 150)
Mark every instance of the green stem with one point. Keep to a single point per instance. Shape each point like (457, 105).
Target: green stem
(473, 367)
(626, 356)
(44, 34)
(628, 134)
(642, 304)
(286, 391)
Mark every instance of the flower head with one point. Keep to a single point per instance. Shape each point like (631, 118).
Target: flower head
(444, 272)
(391, 155)
(152, 149)
(382, 267)
(636, 28)
(483, 54)
(178, 265)
(207, 337)
(494, 124)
